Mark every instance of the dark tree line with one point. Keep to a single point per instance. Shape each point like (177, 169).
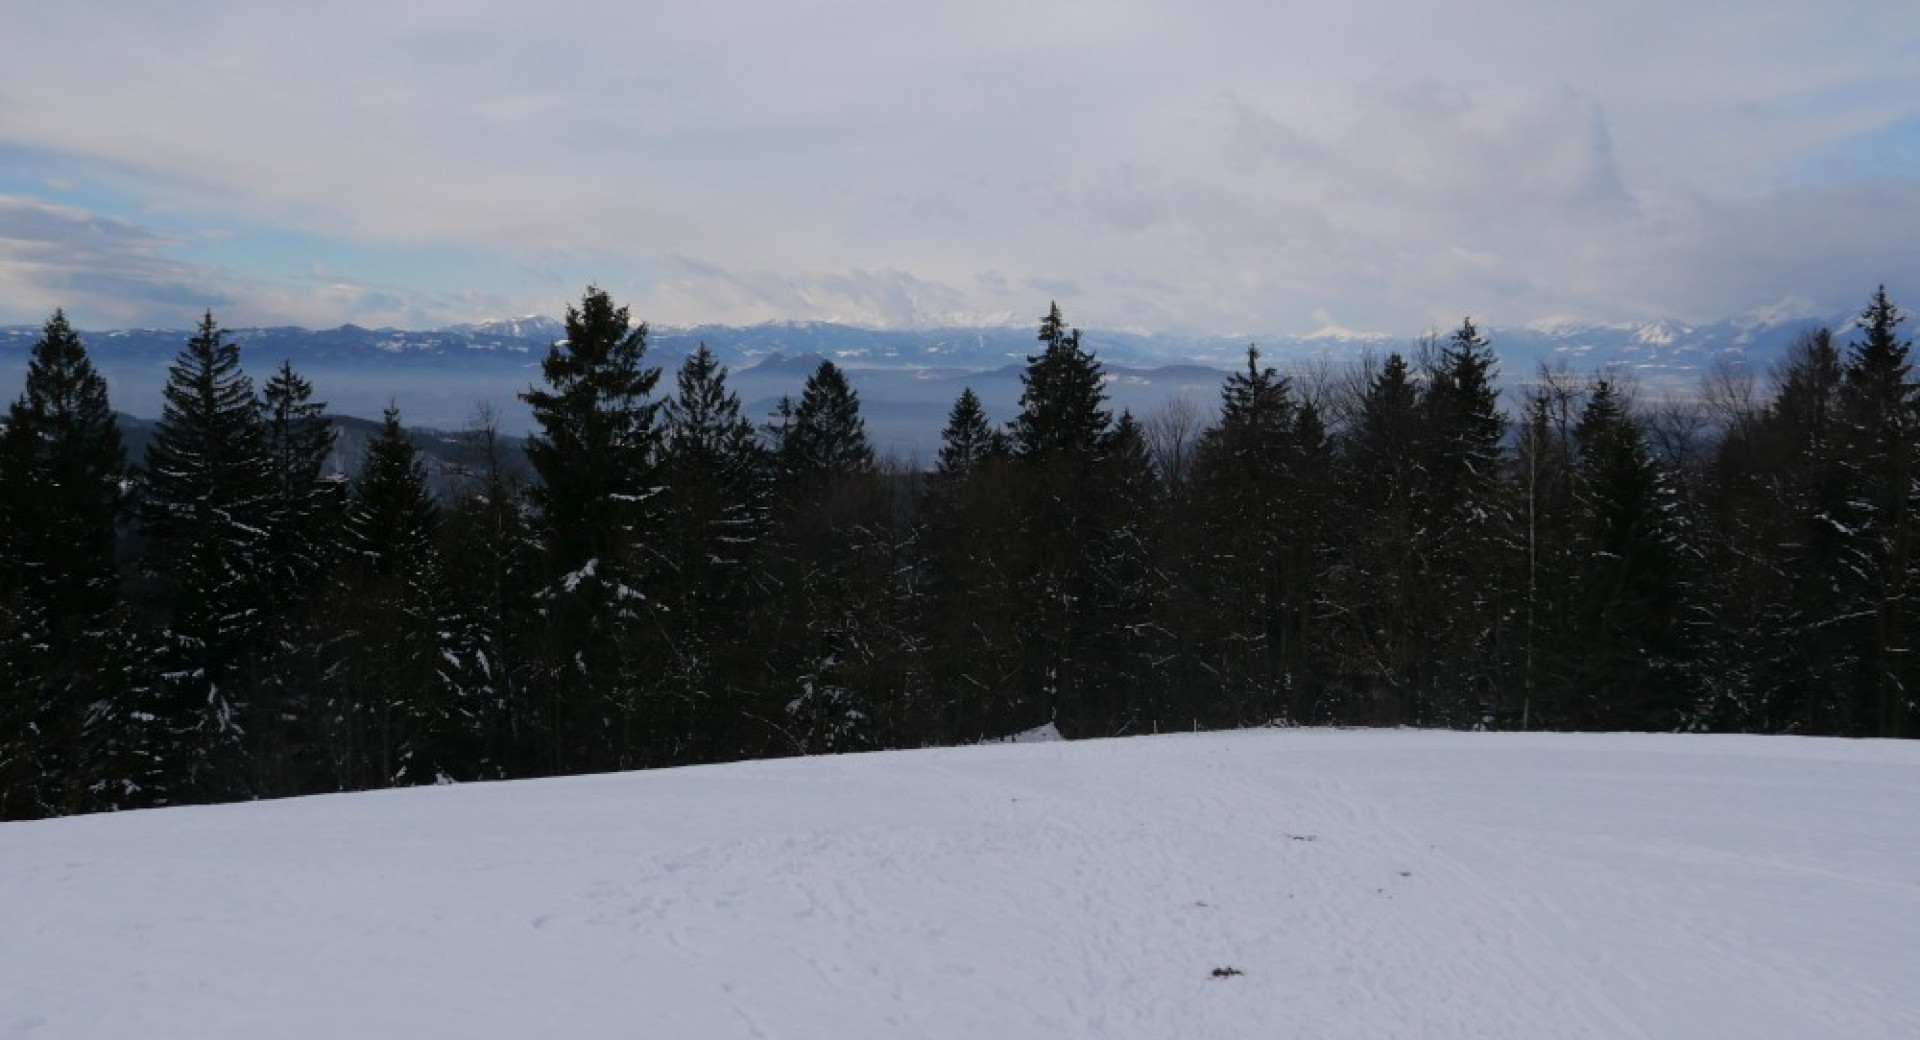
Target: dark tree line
(673, 585)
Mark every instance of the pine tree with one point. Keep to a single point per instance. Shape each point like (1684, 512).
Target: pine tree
(208, 508)
(62, 493)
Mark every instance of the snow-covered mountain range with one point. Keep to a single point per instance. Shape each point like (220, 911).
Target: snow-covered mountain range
(906, 378)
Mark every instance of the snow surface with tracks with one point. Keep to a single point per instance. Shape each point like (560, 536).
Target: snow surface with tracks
(1252, 884)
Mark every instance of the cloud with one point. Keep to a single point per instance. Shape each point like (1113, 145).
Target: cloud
(106, 272)
(883, 299)
(1232, 165)
(102, 270)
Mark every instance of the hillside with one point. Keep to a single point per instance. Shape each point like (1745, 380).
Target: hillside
(1275, 883)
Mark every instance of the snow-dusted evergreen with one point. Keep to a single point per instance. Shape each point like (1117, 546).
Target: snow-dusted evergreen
(663, 584)
(207, 519)
(64, 637)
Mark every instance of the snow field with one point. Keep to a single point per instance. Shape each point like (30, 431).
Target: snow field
(1363, 884)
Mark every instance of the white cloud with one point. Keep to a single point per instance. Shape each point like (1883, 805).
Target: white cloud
(1231, 165)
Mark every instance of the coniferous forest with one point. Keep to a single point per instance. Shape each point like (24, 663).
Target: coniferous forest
(672, 584)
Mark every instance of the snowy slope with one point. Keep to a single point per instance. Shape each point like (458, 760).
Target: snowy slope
(1366, 884)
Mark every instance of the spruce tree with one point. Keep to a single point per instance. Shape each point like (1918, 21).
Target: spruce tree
(831, 621)
(715, 521)
(1881, 436)
(1380, 596)
(1776, 660)
(305, 511)
(62, 493)
(1123, 685)
(1628, 634)
(306, 505)
(967, 601)
(1546, 472)
(1259, 523)
(491, 547)
(968, 440)
(398, 708)
(64, 468)
(597, 439)
(1464, 528)
(1062, 403)
(596, 455)
(823, 433)
(1060, 442)
(207, 511)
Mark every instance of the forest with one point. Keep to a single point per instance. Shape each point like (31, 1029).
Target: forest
(1406, 543)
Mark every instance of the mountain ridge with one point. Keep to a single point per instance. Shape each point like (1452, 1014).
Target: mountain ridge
(907, 379)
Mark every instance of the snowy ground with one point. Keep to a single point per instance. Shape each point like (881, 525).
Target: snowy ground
(1363, 884)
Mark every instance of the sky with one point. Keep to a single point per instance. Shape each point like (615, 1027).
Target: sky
(1201, 166)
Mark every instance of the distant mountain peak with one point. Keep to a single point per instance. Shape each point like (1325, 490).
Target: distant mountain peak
(531, 326)
(1662, 333)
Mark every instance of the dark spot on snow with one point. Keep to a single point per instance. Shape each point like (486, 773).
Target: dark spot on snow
(1304, 837)
(1227, 972)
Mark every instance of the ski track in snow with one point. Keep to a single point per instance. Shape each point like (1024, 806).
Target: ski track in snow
(1363, 884)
